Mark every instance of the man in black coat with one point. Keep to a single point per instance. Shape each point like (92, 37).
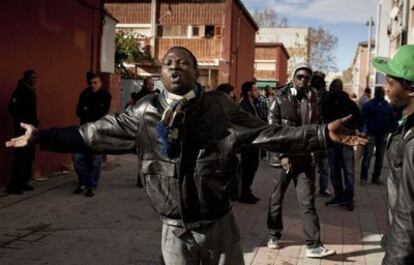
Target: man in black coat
(249, 155)
(93, 104)
(341, 157)
(23, 109)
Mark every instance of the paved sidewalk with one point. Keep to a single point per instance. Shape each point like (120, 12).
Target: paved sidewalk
(117, 226)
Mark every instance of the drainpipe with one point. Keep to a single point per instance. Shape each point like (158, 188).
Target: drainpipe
(153, 26)
(404, 26)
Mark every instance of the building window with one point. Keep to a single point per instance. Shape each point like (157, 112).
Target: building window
(196, 31)
(172, 31)
(209, 31)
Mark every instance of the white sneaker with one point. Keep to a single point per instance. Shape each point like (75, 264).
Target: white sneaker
(273, 243)
(319, 252)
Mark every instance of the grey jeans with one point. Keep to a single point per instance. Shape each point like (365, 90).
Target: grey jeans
(217, 244)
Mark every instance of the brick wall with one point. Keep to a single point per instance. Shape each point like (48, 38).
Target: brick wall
(184, 13)
(203, 49)
(127, 11)
(265, 53)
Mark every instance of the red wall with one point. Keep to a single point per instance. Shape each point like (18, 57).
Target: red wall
(238, 49)
(58, 39)
(282, 65)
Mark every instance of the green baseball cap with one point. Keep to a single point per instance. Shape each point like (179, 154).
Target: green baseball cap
(400, 65)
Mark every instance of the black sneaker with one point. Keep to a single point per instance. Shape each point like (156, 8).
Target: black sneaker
(377, 182)
(14, 191)
(324, 193)
(247, 199)
(27, 187)
(254, 197)
(89, 193)
(335, 202)
(79, 189)
(350, 206)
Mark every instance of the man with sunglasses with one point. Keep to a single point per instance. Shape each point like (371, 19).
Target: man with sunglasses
(296, 105)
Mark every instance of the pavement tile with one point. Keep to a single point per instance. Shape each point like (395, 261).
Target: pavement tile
(118, 226)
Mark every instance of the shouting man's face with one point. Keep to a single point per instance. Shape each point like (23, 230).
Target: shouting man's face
(179, 71)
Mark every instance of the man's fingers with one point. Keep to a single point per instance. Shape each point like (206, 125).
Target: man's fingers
(346, 119)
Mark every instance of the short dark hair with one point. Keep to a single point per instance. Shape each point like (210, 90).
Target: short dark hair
(28, 73)
(193, 58)
(226, 88)
(336, 83)
(367, 90)
(146, 79)
(379, 90)
(246, 87)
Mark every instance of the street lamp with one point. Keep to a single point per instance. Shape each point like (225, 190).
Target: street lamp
(370, 24)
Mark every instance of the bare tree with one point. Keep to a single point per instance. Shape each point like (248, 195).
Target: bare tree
(269, 18)
(322, 45)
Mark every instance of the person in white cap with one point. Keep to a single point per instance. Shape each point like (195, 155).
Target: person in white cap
(296, 105)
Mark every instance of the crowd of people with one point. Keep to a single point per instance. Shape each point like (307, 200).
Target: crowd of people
(187, 141)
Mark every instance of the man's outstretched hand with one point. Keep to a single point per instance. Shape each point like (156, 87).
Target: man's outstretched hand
(338, 133)
(25, 139)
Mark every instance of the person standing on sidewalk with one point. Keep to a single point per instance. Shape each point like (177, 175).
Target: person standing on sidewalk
(186, 141)
(398, 240)
(378, 120)
(93, 104)
(364, 98)
(321, 158)
(249, 155)
(341, 157)
(296, 105)
(23, 108)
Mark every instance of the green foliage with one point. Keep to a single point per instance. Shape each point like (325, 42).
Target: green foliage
(128, 49)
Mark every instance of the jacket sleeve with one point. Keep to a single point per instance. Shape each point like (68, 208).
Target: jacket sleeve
(80, 106)
(400, 236)
(250, 130)
(274, 112)
(114, 133)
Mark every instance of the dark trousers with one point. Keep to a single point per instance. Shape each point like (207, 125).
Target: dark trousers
(379, 143)
(88, 168)
(304, 181)
(249, 165)
(323, 171)
(21, 171)
(341, 157)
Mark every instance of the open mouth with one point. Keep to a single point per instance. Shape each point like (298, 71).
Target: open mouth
(175, 77)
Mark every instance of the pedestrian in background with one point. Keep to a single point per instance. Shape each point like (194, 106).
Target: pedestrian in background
(249, 154)
(341, 157)
(228, 89)
(365, 97)
(321, 158)
(93, 104)
(23, 108)
(262, 104)
(378, 120)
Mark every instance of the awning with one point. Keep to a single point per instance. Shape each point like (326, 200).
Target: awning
(264, 83)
